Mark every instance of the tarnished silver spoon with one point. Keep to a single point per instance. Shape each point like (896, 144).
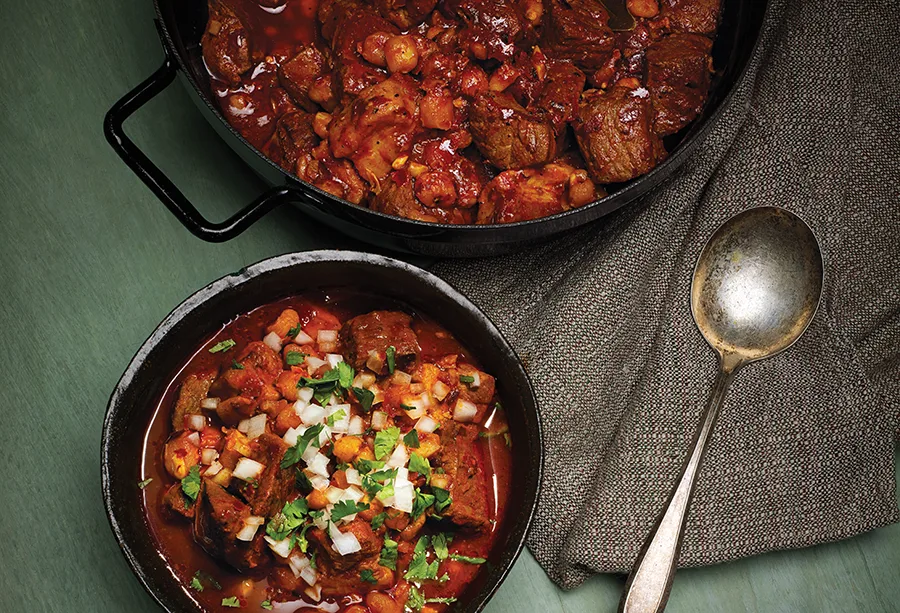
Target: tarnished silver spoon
(755, 290)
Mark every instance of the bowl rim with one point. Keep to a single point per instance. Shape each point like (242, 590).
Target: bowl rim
(199, 298)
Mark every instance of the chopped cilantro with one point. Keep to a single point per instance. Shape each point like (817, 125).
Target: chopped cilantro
(439, 542)
(442, 499)
(345, 375)
(235, 365)
(365, 466)
(459, 558)
(416, 599)
(266, 604)
(391, 354)
(195, 582)
(419, 567)
(294, 357)
(411, 439)
(386, 492)
(385, 441)
(373, 483)
(312, 560)
(302, 481)
(406, 407)
(466, 379)
(293, 332)
(343, 508)
(418, 464)
(450, 600)
(421, 502)
(232, 602)
(288, 519)
(368, 576)
(389, 553)
(144, 483)
(378, 520)
(190, 485)
(222, 346)
(295, 453)
(299, 538)
(336, 416)
(365, 398)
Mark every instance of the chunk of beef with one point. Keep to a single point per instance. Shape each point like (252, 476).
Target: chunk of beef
(698, 16)
(300, 72)
(370, 545)
(482, 394)
(577, 31)
(405, 13)
(561, 93)
(375, 332)
(175, 500)
(337, 177)
(377, 127)
(219, 517)
(459, 457)
(397, 197)
(531, 193)
(614, 134)
(192, 392)
(275, 483)
(492, 27)
(225, 44)
(296, 140)
(678, 74)
(508, 135)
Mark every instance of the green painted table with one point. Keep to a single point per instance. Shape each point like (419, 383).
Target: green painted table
(92, 262)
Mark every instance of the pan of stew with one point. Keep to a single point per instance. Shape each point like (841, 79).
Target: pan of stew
(447, 127)
(329, 430)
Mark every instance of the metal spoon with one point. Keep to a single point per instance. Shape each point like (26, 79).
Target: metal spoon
(755, 290)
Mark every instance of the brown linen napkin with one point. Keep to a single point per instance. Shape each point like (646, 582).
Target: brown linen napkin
(803, 452)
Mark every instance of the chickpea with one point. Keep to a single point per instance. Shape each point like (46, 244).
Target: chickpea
(321, 121)
(365, 453)
(534, 10)
(346, 448)
(286, 320)
(401, 54)
(286, 383)
(180, 455)
(473, 81)
(436, 189)
(317, 500)
(581, 189)
(643, 8)
(339, 479)
(380, 602)
(437, 111)
(372, 49)
(629, 82)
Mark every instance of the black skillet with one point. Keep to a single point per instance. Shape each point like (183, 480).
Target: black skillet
(158, 360)
(181, 24)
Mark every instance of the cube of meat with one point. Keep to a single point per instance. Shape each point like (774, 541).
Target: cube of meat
(192, 392)
(296, 140)
(275, 483)
(397, 197)
(337, 177)
(377, 127)
(218, 518)
(678, 74)
(698, 16)
(459, 457)
(405, 14)
(614, 134)
(577, 31)
(225, 44)
(492, 27)
(370, 545)
(561, 93)
(299, 73)
(531, 193)
(375, 332)
(508, 135)
(179, 504)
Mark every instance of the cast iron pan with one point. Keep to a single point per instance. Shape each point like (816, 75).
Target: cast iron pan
(181, 24)
(157, 361)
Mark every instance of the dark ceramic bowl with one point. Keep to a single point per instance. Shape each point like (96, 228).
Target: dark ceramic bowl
(194, 320)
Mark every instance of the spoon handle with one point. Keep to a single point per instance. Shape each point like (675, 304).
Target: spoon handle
(650, 581)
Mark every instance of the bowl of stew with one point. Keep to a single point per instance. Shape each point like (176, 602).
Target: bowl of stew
(329, 430)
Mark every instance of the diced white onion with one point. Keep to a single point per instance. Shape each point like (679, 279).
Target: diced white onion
(291, 436)
(344, 543)
(363, 380)
(208, 456)
(314, 363)
(324, 436)
(333, 359)
(314, 592)
(310, 452)
(305, 394)
(301, 567)
(357, 425)
(401, 378)
(352, 493)
(222, 476)
(476, 380)
(313, 414)
(257, 426)
(251, 525)
(273, 341)
(321, 522)
(194, 438)
(417, 408)
(318, 482)
(196, 422)
(403, 496)
(214, 468)
(379, 395)
(374, 361)
(379, 420)
(209, 403)
(327, 336)
(319, 465)
(464, 410)
(248, 469)
(303, 338)
(342, 424)
(399, 458)
(353, 477)
(440, 390)
(244, 425)
(281, 548)
(300, 406)
(427, 425)
(333, 494)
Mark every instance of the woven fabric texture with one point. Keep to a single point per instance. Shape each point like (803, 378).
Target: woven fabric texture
(803, 451)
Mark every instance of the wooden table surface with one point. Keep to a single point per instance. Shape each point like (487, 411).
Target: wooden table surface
(92, 262)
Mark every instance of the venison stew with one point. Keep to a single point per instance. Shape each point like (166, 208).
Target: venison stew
(335, 449)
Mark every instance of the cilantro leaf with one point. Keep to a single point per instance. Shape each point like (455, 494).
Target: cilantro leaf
(266, 604)
(378, 520)
(288, 519)
(406, 407)
(235, 365)
(190, 485)
(144, 483)
(368, 576)
(421, 502)
(365, 466)
(222, 346)
(299, 538)
(293, 332)
(295, 453)
(385, 492)
(294, 357)
(336, 416)
(343, 508)
(374, 483)
(419, 567)
(439, 542)
(450, 600)
(416, 599)
(418, 464)
(459, 558)
(232, 602)
(411, 439)
(345, 375)
(195, 582)
(302, 481)
(391, 355)
(442, 499)
(365, 398)
(389, 553)
(385, 441)
(466, 379)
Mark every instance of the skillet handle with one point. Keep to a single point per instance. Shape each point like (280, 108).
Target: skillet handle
(159, 183)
